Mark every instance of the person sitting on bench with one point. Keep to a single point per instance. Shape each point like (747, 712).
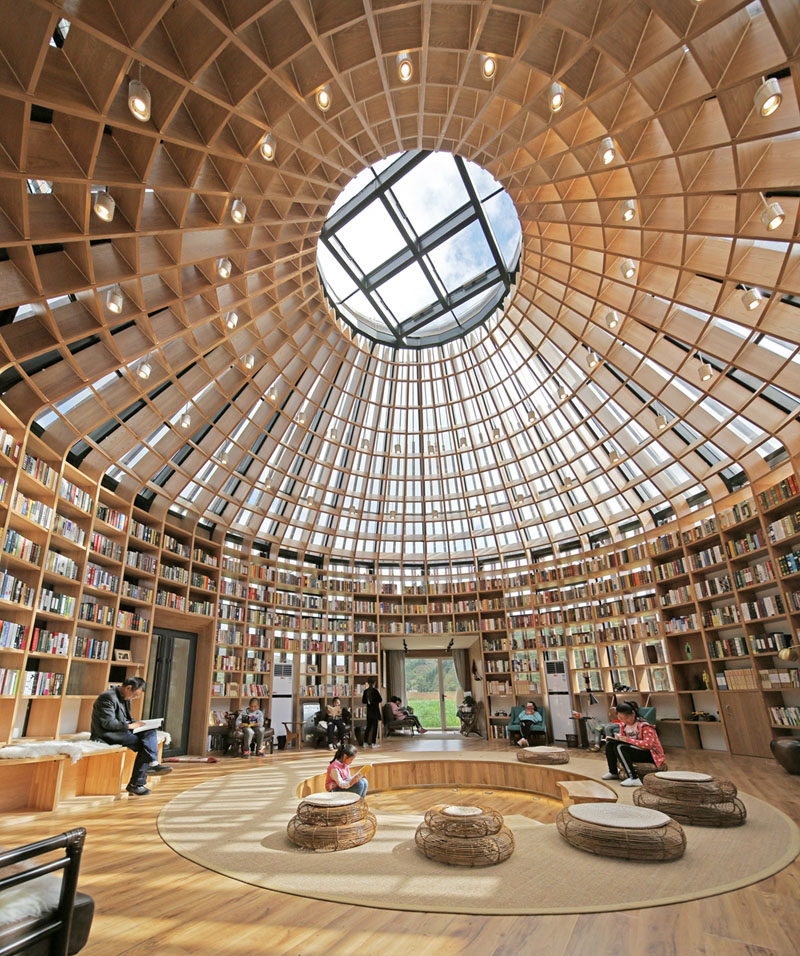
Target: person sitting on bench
(636, 742)
(112, 723)
(251, 724)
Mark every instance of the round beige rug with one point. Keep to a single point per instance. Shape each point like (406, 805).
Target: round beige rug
(236, 826)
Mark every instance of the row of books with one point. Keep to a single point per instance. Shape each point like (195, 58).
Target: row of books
(22, 547)
(782, 491)
(53, 602)
(779, 678)
(9, 681)
(741, 679)
(44, 641)
(9, 445)
(785, 716)
(15, 591)
(40, 470)
(12, 635)
(88, 646)
(42, 684)
(76, 496)
(32, 509)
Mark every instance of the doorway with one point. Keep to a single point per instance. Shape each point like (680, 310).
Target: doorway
(431, 685)
(170, 679)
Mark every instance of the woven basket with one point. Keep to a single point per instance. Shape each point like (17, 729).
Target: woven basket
(487, 823)
(332, 837)
(465, 851)
(691, 791)
(331, 816)
(666, 842)
(726, 813)
(543, 755)
(643, 770)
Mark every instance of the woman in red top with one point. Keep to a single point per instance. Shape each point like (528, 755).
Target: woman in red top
(636, 742)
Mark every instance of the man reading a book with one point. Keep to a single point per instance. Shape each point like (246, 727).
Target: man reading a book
(113, 723)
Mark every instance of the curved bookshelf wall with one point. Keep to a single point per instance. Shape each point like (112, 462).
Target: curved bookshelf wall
(689, 618)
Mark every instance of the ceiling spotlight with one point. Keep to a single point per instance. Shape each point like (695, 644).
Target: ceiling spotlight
(392, 514)
(232, 320)
(139, 99)
(364, 444)
(555, 95)
(594, 360)
(104, 206)
(323, 98)
(223, 458)
(768, 96)
(531, 417)
(224, 268)
(267, 147)
(563, 394)
(628, 210)
(772, 215)
(431, 449)
(488, 66)
(435, 514)
(752, 299)
(272, 395)
(186, 420)
(627, 268)
(661, 422)
(301, 417)
(332, 434)
(249, 360)
(705, 372)
(568, 482)
(309, 500)
(238, 211)
(462, 442)
(606, 150)
(114, 300)
(496, 434)
(612, 319)
(144, 371)
(268, 483)
(397, 449)
(614, 458)
(405, 68)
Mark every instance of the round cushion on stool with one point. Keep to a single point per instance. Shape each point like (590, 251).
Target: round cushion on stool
(726, 812)
(786, 750)
(618, 830)
(464, 821)
(543, 755)
(326, 837)
(689, 787)
(644, 769)
(465, 851)
(332, 809)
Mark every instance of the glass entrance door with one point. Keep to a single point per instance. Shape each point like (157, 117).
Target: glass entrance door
(431, 685)
(170, 675)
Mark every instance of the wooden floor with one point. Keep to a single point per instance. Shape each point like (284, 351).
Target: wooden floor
(154, 903)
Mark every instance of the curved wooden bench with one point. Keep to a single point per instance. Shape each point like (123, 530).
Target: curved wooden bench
(505, 775)
(585, 791)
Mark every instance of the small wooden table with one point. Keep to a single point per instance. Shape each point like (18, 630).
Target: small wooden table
(585, 791)
(294, 732)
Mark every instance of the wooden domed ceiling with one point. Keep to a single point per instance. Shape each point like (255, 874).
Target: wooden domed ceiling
(627, 375)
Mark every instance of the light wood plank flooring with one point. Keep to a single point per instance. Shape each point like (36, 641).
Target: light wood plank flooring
(151, 902)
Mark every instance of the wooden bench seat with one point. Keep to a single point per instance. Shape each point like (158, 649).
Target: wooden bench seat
(585, 791)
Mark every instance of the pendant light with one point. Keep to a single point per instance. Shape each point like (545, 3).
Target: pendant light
(139, 101)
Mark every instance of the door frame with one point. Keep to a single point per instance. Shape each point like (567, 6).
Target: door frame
(159, 681)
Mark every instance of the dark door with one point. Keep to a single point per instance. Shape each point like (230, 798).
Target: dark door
(170, 679)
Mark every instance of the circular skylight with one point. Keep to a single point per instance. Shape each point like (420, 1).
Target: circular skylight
(419, 249)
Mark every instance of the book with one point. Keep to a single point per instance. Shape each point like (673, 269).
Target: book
(153, 723)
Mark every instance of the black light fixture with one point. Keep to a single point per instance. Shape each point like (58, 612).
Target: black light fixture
(450, 645)
(405, 646)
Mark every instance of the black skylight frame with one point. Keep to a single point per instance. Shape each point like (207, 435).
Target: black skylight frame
(410, 333)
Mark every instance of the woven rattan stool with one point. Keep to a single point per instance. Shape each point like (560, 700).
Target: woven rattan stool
(543, 755)
(332, 821)
(692, 798)
(614, 829)
(464, 836)
(643, 770)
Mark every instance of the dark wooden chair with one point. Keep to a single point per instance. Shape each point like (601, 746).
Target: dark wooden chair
(63, 930)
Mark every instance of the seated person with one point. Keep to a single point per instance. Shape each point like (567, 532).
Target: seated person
(339, 777)
(113, 723)
(335, 721)
(530, 724)
(603, 731)
(405, 713)
(251, 724)
(636, 742)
